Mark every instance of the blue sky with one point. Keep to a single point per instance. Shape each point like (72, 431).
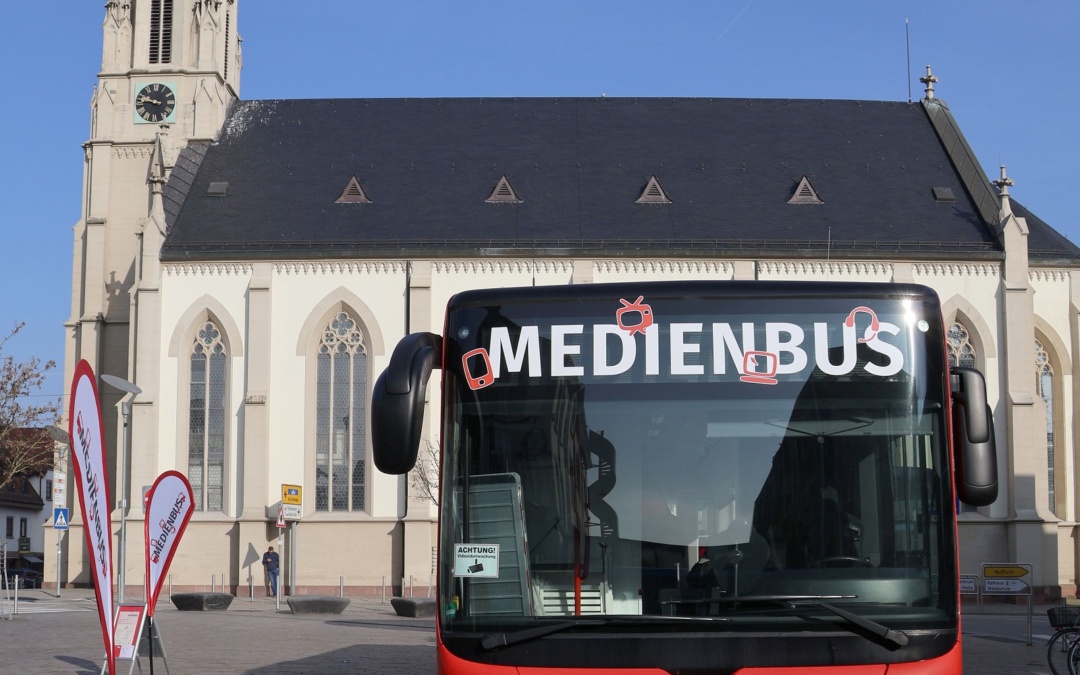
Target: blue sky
(1009, 71)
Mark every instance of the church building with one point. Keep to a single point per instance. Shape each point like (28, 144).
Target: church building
(250, 265)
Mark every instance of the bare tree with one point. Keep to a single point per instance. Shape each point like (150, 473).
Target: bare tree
(424, 477)
(25, 444)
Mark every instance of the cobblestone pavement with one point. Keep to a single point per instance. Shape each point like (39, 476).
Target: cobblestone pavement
(995, 641)
(250, 637)
(62, 636)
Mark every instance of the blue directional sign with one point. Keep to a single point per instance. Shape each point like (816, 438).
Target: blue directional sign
(60, 519)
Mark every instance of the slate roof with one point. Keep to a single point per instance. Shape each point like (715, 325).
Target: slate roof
(1044, 242)
(20, 493)
(728, 166)
(34, 447)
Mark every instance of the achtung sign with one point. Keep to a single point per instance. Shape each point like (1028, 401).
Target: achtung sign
(476, 560)
(1007, 579)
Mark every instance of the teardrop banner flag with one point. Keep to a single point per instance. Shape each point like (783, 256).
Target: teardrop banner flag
(169, 505)
(92, 484)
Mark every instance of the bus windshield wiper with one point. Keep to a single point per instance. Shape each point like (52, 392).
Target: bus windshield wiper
(497, 640)
(787, 600)
(897, 638)
(893, 637)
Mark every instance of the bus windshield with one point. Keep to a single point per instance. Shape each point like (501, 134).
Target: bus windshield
(736, 459)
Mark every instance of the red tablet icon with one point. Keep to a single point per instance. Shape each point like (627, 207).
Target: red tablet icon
(871, 330)
(477, 357)
(760, 367)
(634, 317)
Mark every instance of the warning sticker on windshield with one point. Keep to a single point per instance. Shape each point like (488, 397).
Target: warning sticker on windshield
(476, 560)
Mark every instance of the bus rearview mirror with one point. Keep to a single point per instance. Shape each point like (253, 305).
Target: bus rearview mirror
(397, 402)
(973, 439)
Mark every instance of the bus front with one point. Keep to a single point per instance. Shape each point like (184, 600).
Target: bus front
(697, 477)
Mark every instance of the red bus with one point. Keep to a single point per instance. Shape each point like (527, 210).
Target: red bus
(691, 477)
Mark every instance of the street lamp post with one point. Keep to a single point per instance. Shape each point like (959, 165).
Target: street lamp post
(125, 410)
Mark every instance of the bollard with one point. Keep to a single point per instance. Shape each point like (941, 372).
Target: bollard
(429, 585)
(384, 590)
(170, 585)
(411, 586)
(213, 583)
(341, 587)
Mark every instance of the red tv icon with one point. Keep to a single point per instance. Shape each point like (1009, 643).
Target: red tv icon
(639, 312)
(485, 377)
(759, 373)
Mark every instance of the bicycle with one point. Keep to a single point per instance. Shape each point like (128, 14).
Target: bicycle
(1066, 621)
(1072, 659)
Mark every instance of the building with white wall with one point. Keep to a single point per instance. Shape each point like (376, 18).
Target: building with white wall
(26, 501)
(250, 265)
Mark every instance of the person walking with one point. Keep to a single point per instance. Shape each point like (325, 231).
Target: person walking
(271, 563)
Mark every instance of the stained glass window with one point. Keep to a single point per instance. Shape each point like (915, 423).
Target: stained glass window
(961, 351)
(341, 416)
(1044, 386)
(206, 419)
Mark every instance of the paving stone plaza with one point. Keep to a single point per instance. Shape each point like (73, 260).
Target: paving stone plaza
(62, 636)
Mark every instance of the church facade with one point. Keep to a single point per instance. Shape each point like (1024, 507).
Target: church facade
(250, 265)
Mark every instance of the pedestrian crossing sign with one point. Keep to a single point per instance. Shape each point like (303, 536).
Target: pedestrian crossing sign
(60, 519)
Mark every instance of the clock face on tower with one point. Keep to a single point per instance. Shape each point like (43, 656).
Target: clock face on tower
(155, 102)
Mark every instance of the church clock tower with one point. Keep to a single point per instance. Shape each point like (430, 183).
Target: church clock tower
(170, 69)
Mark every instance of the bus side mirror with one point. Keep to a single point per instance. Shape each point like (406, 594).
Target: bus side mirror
(397, 402)
(973, 439)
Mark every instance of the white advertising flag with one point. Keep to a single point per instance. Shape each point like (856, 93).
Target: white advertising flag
(92, 483)
(169, 505)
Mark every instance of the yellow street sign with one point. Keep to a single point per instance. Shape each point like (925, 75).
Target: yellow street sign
(292, 494)
(1009, 571)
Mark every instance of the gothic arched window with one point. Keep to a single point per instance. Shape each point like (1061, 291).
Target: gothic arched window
(1044, 386)
(961, 351)
(340, 416)
(206, 418)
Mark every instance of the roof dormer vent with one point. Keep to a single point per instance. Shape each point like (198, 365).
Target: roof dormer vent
(944, 195)
(805, 194)
(653, 193)
(353, 194)
(503, 193)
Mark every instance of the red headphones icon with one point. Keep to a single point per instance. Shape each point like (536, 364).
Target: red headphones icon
(871, 330)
